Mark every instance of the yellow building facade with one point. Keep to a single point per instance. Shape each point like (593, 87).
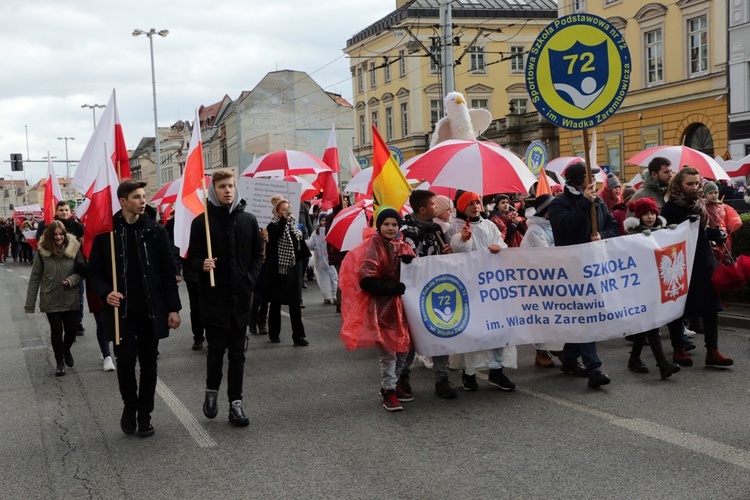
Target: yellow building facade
(397, 85)
(679, 81)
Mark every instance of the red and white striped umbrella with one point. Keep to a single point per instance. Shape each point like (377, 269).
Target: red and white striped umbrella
(558, 166)
(168, 192)
(681, 156)
(285, 162)
(308, 190)
(479, 166)
(347, 228)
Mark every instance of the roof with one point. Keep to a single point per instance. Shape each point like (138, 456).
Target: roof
(462, 9)
(339, 100)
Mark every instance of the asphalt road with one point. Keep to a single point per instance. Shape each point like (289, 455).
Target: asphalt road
(318, 429)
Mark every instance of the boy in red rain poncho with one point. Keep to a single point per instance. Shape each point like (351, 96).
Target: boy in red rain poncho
(371, 306)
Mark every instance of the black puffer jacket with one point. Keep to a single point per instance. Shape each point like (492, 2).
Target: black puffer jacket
(157, 268)
(570, 217)
(237, 246)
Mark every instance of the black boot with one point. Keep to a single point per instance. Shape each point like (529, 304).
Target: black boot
(60, 371)
(210, 409)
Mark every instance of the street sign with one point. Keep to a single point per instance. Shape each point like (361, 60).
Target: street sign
(578, 71)
(536, 157)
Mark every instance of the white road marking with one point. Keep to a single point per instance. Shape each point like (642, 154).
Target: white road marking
(686, 440)
(200, 435)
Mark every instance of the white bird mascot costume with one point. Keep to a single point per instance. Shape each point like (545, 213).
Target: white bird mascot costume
(459, 121)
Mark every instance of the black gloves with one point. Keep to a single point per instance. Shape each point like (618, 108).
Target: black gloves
(377, 286)
(693, 217)
(406, 259)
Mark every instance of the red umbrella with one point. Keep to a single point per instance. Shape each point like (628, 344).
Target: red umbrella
(680, 156)
(168, 192)
(558, 166)
(479, 166)
(347, 228)
(285, 162)
(308, 190)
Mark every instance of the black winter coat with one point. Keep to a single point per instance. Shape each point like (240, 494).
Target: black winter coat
(701, 299)
(280, 288)
(71, 225)
(237, 246)
(570, 217)
(157, 267)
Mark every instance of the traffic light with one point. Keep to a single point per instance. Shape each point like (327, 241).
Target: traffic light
(16, 162)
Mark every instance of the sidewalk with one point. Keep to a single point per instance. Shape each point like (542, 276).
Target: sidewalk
(735, 315)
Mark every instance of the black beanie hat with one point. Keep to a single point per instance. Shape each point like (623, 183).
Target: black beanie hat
(384, 213)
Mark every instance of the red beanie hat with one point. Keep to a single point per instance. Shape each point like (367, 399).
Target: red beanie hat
(465, 198)
(643, 205)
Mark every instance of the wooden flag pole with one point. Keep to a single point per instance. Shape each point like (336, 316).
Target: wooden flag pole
(208, 230)
(589, 179)
(114, 285)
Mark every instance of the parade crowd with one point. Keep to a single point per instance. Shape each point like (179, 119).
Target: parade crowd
(238, 277)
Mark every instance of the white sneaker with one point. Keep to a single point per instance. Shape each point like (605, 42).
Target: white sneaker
(108, 365)
(426, 362)
(689, 332)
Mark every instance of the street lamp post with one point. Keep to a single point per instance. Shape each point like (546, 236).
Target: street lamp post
(93, 110)
(67, 165)
(150, 34)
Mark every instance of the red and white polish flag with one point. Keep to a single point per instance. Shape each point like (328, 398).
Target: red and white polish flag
(189, 203)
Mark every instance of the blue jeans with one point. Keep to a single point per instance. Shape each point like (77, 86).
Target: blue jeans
(586, 351)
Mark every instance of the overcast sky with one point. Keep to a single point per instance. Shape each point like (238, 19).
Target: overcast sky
(57, 55)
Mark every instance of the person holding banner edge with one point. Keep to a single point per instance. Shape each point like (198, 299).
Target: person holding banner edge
(570, 217)
(685, 203)
(426, 238)
(470, 232)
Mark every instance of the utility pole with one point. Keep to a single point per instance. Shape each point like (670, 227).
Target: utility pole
(446, 38)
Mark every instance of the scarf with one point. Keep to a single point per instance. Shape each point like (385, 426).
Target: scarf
(459, 215)
(287, 257)
(694, 203)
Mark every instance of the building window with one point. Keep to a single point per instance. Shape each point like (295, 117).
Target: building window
(401, 63)
(436, 59)
(698, 44)
(480, 103)
(374, 117)
(654, 52)
(404, 119)
(519, 106)
(373, 76)
(516, 59)
(613, 147)
(389, 124)
(579, 5)
(477, 59)
(436, 110)
(362, 130)
(360, 81)
(651, 137)
(387, 71)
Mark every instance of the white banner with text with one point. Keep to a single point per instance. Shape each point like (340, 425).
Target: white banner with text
(582, 293)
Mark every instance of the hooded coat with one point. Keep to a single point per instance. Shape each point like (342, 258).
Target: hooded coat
(48, 273)
(238, 249)
(156, 265)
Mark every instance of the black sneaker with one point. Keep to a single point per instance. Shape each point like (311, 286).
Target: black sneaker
(80, 330)
(637, 366)
(197, 345)
(127, 421)
(498, 379)
(575, 369)
(145, 430)
(444, 389)
(403, 396)
(469, 382)
(69, 361)
(210, 408)
(253, 329)
(390, 400)
(403, 383)
(237, 415)
(667, 369)
(598, 379)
